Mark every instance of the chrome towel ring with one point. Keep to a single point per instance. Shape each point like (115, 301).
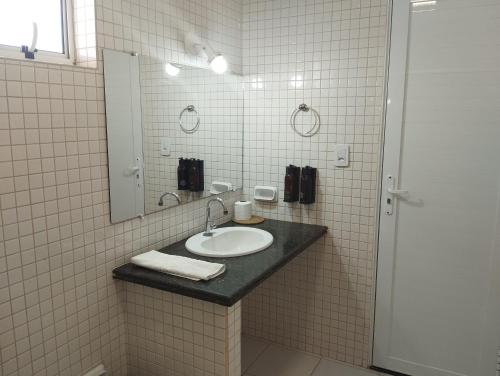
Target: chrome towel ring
(317, 120)
(189, 108)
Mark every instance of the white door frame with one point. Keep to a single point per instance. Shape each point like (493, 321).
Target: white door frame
(395, 98)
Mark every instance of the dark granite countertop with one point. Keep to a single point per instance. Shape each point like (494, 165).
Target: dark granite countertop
(243, 273)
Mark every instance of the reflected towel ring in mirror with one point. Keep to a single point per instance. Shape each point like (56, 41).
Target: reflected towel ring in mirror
(317, 120)
(189, 108)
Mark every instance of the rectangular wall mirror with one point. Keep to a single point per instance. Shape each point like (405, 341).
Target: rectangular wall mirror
(171, 129)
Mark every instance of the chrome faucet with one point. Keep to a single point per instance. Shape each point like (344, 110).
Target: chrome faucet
(160, 203)
(209, 223)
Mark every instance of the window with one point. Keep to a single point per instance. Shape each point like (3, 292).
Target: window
(35, 24)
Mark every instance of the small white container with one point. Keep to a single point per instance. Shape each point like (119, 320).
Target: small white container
(265, 193)
(242, 210)
(220, 187)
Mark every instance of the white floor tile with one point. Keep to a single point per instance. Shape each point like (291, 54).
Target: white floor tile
(278, 361)
(251, 348)
(328, 367)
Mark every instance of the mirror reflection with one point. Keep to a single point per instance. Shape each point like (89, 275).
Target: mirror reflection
(185, 145)
(192, 131)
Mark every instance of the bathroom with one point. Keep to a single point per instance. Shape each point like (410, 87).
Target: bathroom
(388, 263)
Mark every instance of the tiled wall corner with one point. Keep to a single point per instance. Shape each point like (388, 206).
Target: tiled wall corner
(330, 55)
(60, 311)
(233, 340)
(84, 33)
(169, 334)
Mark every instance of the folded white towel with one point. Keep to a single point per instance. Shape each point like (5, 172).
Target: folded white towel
(179, 266)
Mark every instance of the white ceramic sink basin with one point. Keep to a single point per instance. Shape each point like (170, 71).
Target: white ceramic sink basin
(229, 242)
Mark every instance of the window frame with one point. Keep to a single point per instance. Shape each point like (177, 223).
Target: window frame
(66, 57)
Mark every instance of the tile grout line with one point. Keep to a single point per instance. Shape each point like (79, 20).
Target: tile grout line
(268, 344)
(315, 367)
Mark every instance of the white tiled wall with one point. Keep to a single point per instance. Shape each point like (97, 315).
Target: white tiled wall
(218, 100)
(328, 54)
(156, 27)
(60, 311)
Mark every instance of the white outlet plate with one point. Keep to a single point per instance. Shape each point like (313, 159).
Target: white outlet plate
(341, 155)
(164, 146)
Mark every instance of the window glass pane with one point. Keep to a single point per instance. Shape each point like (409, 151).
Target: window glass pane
(17, 17)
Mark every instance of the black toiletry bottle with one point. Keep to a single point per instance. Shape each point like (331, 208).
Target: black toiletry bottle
(308, 185)
(193, 175)
(292, 181)
(196, 176)
(201, 173)
(183, 174)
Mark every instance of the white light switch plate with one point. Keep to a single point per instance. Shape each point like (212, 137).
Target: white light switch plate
(341, 155)
(164, 146)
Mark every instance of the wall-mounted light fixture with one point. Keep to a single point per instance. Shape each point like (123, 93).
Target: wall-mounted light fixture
(219, 64)
(417, 3)
(423, 5)
(194, 45)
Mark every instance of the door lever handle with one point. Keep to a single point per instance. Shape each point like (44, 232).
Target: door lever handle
(388, 200)
(397, 192)
(132, 170)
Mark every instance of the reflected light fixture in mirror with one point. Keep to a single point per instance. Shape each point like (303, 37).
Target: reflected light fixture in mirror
(171, 70)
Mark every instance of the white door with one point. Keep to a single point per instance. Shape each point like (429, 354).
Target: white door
(437, 278)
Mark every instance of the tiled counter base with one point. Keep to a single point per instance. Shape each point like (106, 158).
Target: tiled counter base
(178, 327)
(169, 334)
